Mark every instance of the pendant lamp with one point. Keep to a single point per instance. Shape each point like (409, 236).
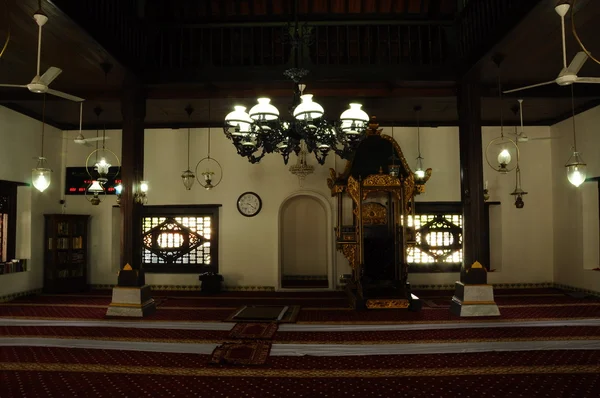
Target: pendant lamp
(188, 177)
(42, 174)
(576, 167)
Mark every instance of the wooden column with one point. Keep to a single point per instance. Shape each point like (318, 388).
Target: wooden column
(133, 109)
(471, 174)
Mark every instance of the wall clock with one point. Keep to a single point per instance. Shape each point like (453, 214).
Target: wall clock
(249, 204)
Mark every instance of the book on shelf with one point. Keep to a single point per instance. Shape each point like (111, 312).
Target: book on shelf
(13, 266)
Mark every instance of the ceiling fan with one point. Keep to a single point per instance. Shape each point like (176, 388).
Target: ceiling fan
(40, 84)
(520, 135)
(80, 139)
(568, 75)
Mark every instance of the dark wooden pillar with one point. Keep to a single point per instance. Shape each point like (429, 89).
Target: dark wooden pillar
(133, 109)
(471, 174)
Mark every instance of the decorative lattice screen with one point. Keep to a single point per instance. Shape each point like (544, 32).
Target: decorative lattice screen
(438, 239)
(177, 240)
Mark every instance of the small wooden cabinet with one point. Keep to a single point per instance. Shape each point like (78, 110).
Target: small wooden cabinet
(66, 253)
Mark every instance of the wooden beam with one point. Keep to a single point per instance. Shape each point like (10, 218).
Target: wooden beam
(133, 109)
(471, 174)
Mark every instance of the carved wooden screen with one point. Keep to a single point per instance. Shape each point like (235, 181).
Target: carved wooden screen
(178, 239)
(438, 239)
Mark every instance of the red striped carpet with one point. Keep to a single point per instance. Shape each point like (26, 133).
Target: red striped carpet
(57, 372)
(333, 337)
(317, 307)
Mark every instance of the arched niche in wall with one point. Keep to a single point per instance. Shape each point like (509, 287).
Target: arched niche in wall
(305, 242)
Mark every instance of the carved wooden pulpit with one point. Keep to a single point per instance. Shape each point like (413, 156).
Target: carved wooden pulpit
(375, 197)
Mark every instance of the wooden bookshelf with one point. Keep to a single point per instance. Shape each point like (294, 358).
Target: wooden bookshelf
(66, 254)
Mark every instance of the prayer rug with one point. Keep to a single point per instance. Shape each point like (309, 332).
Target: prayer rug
(246, 353)
(265, 313)
(253, 331)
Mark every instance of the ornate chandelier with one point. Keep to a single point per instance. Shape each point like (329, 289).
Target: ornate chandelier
(261, 130)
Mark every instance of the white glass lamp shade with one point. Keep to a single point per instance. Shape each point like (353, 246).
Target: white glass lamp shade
(96, 187)
(504, 158)
(308, 109)
(419, 172)
(576, 169)
(41, 178)
(118, 189)
(102, 166)
(144, 186)
(264, 111)
(354, 119)
(239, 119)
(188, 178)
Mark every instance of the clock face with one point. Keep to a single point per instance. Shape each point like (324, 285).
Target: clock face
(249, 204)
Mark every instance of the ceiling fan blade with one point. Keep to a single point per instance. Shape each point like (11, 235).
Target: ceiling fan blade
(96, 139)
(577, 62)
(64, 95)
(542, 138)
(51, 74)
(528, 87)
(588, 80)
(13, 85)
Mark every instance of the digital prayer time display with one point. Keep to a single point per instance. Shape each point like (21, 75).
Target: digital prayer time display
(77, 181)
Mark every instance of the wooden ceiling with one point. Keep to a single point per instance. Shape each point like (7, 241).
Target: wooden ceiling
(307, 10)
(532, 54)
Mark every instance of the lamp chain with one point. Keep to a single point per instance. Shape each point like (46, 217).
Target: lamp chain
(419, 133)
(43, 122)
(501, 101)
(573, 111)
(188, 141)
(209, 122)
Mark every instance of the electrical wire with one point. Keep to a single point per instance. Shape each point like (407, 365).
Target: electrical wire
(7, 18)
(574, 29)
(43, 123)
(209, 123)
(573, 111)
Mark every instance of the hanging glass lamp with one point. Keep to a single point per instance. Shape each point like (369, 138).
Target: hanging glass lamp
(41, 175)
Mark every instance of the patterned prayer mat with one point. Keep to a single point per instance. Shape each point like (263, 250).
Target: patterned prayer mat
(254, 331)
(265, 313)
(246, 353)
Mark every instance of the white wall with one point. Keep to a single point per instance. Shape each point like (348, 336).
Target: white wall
(104, 238)
(570, 230)
(20, 142)
(520, 238)
(248, 246)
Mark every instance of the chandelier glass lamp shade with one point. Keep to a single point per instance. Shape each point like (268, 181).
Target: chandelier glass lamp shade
(262, 130)
(188, 177)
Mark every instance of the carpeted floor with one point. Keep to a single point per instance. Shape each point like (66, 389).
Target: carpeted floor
(55, 372)
(33, 364)
(300, 337)
(316, 307)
